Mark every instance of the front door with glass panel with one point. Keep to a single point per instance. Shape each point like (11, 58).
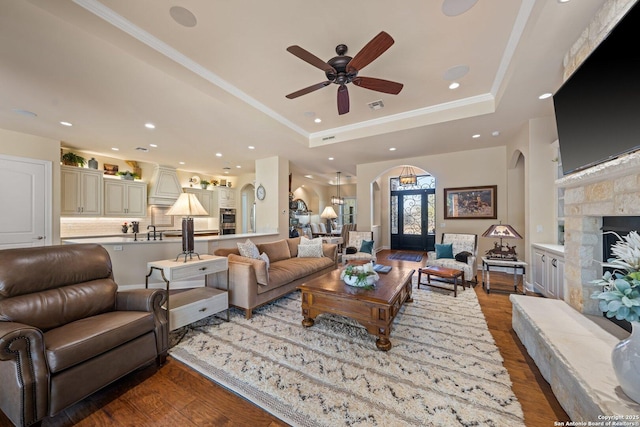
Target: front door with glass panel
(413, 215)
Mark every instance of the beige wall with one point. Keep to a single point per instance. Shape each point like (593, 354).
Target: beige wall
(35, 147)
(272, 213)
(461, 169)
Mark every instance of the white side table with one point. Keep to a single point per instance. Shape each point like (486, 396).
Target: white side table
(195, 304)
(503, 265)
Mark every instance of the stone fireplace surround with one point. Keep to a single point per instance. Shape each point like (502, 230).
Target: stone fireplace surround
(569, 340)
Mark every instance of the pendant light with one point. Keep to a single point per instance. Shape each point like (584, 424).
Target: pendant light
(408, 176)
(337, 200)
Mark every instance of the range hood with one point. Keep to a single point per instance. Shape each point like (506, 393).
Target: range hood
(164, 188)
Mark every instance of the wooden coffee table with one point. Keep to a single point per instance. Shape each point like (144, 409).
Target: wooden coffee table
(374, 309)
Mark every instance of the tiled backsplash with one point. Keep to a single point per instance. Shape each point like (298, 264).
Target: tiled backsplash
(105, 226)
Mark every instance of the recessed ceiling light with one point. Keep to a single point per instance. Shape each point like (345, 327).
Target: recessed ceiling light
(226, 169)
(153, 145)
(454, 85)
(25, 112)
(330, 158)
(495, 133)
(182, 163)
(318, 120)
(238, 167)
(251, 147)
(115, 149)
(149, 125)
(563, 1)
(392, 149)
(545, 95)
(477, 135)
(218, 154)
(309, 176)
(66, 124)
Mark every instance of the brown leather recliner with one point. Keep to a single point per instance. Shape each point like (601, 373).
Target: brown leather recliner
(66, 331)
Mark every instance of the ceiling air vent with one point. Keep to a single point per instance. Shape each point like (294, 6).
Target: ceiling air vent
(326, 138)
(376, 105)
(143, 149)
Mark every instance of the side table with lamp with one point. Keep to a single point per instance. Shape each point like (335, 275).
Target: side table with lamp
(194, 304)
(502, 257)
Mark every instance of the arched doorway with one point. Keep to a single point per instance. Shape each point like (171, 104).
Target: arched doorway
(247, 209)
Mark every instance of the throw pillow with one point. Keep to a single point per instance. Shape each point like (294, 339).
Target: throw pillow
(351, 250)
(306, 241)
(276, 251)
(444, 250)
(310, 251)
(366, 246)
(248, 249)
(463, 256)
(265, 258)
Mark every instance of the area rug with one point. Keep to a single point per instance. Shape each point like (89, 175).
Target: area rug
(405, 256)
(444, 368)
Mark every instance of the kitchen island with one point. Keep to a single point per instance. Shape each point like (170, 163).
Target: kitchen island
(129, 257)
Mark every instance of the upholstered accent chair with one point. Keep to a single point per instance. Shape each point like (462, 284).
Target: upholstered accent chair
(460, 243)
(355, 241)
(66, 331)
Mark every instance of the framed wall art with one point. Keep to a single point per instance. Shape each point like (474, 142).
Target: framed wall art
(110, 169)
(479, 202)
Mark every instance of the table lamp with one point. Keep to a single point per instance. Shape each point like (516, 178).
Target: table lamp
(502, 231)
(328, 213)
(187, 206)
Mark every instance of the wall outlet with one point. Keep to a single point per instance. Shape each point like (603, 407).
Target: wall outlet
(539, 229)
(443, 224)
(117, 248)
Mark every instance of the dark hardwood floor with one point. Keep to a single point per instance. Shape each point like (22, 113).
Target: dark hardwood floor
(176, 395)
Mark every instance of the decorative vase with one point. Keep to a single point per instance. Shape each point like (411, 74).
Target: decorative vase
(93, 163)
(204, 186)
(625, 359)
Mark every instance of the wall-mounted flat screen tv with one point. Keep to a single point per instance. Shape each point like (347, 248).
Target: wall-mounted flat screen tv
(598, 107)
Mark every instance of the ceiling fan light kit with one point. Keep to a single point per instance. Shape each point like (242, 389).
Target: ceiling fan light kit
(343, 69)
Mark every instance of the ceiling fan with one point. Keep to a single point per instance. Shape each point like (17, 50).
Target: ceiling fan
(343, 69)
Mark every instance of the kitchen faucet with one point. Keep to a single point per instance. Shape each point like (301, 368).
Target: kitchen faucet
(149, 233)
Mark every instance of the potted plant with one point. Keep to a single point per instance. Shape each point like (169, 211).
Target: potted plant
(128, 175)
(204, 183)
(72, 159)
(360, 276)
(620, 298)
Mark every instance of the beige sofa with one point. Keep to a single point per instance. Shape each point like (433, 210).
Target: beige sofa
(251, 284)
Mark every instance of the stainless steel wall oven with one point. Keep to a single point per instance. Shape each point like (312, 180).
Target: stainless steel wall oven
(227, 221)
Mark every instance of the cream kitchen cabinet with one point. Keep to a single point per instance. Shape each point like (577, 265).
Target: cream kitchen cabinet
(125, 198)
(226, 197)
(81, 191)
(548, 270)
(205, 197)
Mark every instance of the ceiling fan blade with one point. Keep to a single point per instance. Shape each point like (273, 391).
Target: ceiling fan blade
(307, 90)
(379, 85)
(311, 59)
(343, 100)
(376, 47)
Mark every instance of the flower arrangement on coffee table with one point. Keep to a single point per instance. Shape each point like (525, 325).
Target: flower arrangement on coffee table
(360, 276)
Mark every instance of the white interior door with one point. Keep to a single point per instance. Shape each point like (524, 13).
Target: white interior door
(26, 202)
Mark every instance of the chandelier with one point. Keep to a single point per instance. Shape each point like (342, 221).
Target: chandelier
(337, 200)
(408, 176)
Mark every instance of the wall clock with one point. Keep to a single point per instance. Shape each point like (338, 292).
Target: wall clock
(260, 192)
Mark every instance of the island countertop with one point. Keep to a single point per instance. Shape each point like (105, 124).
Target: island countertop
(128, 239)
